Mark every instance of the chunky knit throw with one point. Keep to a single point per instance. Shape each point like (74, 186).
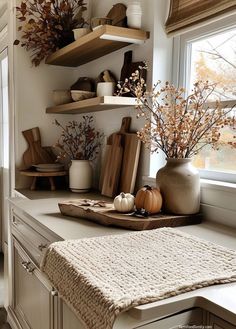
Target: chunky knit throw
(101, 277)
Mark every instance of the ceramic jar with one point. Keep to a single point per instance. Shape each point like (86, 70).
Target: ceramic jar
(105, 89)
(80, 176)
(179, 183)
(134, 15)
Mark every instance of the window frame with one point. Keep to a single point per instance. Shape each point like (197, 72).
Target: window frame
(181, 68)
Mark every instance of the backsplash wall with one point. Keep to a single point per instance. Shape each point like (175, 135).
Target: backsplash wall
(35, 93)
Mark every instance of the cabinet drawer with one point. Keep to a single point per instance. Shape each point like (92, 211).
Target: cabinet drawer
(34, 243)
(189, 318)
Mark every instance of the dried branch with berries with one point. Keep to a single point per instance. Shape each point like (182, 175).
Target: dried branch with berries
(79, 141)
(46, 25)
(179, 126)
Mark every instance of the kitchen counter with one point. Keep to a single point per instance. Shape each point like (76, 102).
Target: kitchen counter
(218, 299)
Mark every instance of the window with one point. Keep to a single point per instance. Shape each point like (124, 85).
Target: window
(209, 53)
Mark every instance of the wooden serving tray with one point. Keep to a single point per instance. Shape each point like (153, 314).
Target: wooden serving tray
(109, 217)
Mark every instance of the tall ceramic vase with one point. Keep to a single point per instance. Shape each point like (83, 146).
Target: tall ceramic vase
(179, 183)
(80, 176)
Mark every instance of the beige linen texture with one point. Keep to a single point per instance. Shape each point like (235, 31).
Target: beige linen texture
(101, 277)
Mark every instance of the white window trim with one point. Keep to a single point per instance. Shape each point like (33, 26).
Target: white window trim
(181, 63)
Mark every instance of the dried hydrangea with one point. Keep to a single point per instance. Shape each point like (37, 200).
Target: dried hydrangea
(181, 126)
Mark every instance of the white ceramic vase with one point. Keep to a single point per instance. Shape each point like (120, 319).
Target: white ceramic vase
(134, 15)
(179, 183)
(80, 176)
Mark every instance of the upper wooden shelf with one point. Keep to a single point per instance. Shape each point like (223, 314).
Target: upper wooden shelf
(102, 41)
(93, 105)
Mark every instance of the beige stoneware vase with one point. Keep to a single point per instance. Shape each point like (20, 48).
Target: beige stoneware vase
(179, 183)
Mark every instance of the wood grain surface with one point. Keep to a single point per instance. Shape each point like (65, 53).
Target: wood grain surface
(92, 45)
(109, 217)
(132, 146)
(112, 166)
(35, 154)
(112, 162)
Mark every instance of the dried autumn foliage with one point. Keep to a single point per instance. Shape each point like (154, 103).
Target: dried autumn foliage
(79, 141)
(47, 25)
(179, 126)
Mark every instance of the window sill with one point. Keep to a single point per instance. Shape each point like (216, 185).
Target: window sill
(205, 183)
(218, 185)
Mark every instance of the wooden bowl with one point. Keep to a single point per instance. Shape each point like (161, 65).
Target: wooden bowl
(79, 95)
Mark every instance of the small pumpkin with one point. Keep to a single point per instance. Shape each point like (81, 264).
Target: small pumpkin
(124, 202)
(149, 198)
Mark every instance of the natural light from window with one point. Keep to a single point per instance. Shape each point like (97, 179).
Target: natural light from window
(214, 59)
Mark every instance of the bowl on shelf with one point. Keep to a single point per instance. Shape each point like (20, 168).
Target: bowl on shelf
(78, 33)
(61, 97)
(79, 95)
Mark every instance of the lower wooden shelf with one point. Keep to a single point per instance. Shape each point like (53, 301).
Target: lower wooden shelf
(93, 105)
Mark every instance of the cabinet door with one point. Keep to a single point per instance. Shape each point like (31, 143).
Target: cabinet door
(189, 318)
(68, 320)
(217, 323)
(33, 301)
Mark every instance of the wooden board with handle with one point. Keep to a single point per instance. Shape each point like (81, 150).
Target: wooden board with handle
(110, 167)
(35, 154)
(132, 146)
(109, 217)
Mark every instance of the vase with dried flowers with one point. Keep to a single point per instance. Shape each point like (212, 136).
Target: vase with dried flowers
(79, 143)
(47, 25)
(180, 127)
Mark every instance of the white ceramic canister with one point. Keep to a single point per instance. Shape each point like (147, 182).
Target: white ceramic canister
(105, 89)
(80, 176)
(134, 15)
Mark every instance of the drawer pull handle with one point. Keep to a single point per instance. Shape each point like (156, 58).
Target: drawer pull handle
(28, 267)
(54, 293)
(42, 246)
(25, 265)
(14, 220)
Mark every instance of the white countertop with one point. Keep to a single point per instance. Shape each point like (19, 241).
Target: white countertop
(218, 299)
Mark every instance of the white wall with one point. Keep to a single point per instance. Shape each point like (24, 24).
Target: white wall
(34, 85)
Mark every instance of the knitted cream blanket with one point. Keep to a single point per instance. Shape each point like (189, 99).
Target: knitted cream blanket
(101, 277)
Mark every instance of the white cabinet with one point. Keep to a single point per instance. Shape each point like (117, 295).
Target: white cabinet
(189, 318)
(34, 304)
(32, 298)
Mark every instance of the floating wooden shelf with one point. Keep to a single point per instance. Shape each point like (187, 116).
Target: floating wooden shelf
(102, 41)
(93, 105)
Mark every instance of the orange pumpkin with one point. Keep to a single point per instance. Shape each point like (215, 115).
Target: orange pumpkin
(149, 198)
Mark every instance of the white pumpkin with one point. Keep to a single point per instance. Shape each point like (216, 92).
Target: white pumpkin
(124, 202)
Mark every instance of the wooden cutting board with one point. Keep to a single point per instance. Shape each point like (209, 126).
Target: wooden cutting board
(111, 168)
(132, 146)
(109, 217)
(34, 154)
(130, 67)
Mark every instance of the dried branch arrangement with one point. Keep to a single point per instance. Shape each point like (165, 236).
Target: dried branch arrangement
(79, 141)
(47, 25)
(179, 126)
